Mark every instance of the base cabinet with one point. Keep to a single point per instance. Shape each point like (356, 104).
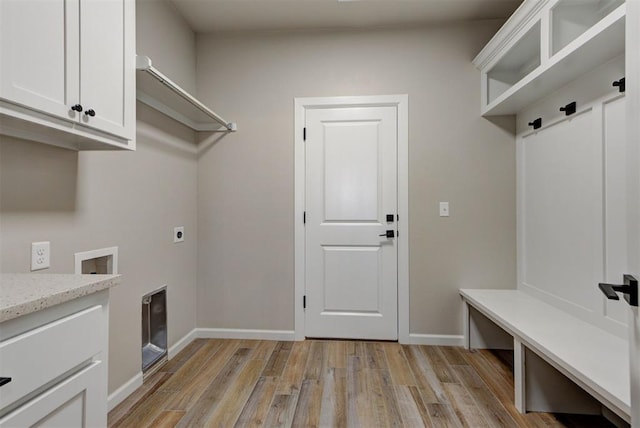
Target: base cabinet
(56, 360)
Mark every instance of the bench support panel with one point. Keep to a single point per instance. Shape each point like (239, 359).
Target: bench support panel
(483, 333)
(545, 389)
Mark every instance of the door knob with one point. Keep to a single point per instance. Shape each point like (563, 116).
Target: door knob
(4, 380)
(91, 112)
(629, 289)
(77, 107)
(389, 234)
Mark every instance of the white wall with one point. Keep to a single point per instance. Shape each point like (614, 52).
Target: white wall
(87, 200)
(245, 180)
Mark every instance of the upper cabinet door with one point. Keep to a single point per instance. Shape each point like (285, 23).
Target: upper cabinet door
(106, 65)
(39, 55)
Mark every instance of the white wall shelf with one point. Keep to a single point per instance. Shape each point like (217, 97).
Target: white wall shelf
(161, 93)
(513, 79)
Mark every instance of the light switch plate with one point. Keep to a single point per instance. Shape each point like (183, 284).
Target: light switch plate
(444, 209)
(40, 255)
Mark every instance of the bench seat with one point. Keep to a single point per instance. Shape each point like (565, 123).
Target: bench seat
(590, 357)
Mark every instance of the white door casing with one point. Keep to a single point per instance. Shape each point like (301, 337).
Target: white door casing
(351, 271)
(347, 180)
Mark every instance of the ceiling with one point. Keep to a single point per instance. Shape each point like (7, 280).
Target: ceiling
(268, 15)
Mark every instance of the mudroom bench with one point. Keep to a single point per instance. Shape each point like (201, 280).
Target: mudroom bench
(561, 363)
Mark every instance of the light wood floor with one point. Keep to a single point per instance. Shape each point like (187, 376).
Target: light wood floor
(331, 383)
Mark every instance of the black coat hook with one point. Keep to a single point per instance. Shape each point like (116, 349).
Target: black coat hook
(537, 123)
(620, 84)
(569, 109)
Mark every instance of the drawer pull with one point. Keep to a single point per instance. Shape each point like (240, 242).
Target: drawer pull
(4, 380)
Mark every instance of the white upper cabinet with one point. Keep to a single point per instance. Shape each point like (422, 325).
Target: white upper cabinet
(545, 45)
(67, 72)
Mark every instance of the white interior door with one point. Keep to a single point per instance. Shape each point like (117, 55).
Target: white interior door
(351, 187)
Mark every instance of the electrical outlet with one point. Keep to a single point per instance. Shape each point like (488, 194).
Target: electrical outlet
(178, 234)
(444, 209)
(40, 255)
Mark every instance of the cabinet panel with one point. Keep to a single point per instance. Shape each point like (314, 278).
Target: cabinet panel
(79, 401)
(103, 63)
(39, 54)
(560, 216)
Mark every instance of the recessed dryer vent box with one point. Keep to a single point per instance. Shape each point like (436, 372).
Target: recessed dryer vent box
(101, 262)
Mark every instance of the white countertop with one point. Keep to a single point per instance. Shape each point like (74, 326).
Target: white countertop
(24, 293)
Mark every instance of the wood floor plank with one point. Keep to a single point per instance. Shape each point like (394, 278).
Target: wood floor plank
(453, 355)
(278, 359)
(427, 381)
(183, 356)
(282, 410)
(394, 418)
(465, 406)
(336, 354)
(307, 413)
(493, 411)
(263, 350)
(397, 364)
(315, 362)
(236, 395)
(442, 415)
(206, 405)
(185, 398)
(142, 416)
(167, 419)
(333, 411)
(255, 411)
(375, 357)
(356, 388)
(137, 398)
(193, 367)
(291, 378)
(411, 415)
(439, 364)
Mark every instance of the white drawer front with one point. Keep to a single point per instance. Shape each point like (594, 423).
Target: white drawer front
(79, 401)
(41, 355)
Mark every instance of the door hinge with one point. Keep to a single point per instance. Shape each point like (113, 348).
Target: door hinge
(304, 134)
(304, 302)
(304, 217)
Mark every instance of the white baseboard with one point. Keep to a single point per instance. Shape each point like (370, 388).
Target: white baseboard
(182, 343)
(233, 333)
(120, 394)
(434, 339)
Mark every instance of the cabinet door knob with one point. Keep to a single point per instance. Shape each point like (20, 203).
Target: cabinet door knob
(4, 380)
(77, 108)
(90, 112)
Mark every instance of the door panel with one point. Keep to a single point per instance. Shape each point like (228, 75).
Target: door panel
(351, 166)
(351, 153)
(352, 279)
(39, 54)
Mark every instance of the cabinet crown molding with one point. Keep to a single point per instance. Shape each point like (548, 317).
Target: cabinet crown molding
(528, 11)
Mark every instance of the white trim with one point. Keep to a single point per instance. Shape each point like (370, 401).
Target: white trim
(121, 394)
(182, 343)
(519, 22)
(401, 102)
(238, 333)
(434, 339)
(92, 254)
